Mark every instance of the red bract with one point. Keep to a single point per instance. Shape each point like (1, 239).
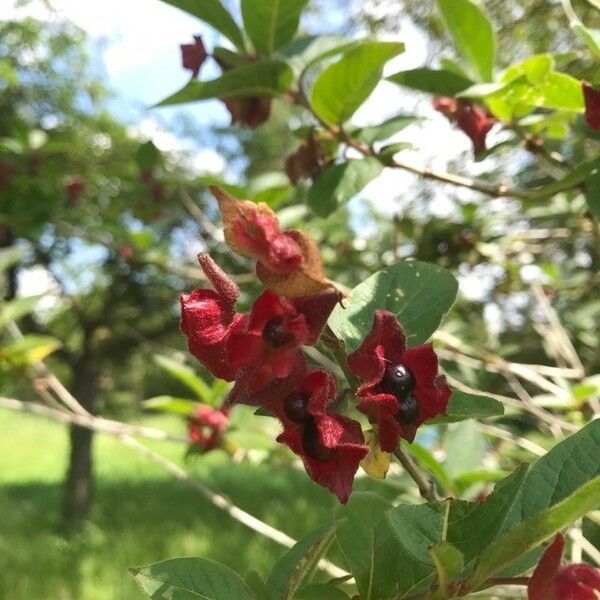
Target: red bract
(401, 388)
(75, 187)
(206, 426)
(573, 582)
(268, 346)
(208, 317)
(445, 105)
(6, 171)
(591, 97)
(289, 262)
(193, 55)
(252, 110)
(476, 122)
(331, 446)
(253, 230)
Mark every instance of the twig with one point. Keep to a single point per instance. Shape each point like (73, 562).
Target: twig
(426, 488)
(544, 416)
(497, 191)
(121, 432)
(509, 437)
(564, 344)
(90, 421)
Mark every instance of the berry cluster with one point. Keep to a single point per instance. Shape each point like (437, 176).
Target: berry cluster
(261, 351)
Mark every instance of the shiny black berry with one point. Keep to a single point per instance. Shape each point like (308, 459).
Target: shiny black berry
(312, 445)
(295, 407)
(398, 380)
(275, 332)
(408, 412)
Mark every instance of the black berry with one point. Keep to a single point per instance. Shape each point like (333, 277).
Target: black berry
(312, 445)
(294, 407)
(408, 412)
(398, 380)
(275, 332)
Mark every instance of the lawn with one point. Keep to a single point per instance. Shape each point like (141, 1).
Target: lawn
(140, 515)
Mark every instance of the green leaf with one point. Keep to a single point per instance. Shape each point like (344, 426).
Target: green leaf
(419, 293)
(463, 406)
(470, 527)
(338, 183)
(29, 349)
(343, 86)
(464, 446)
(369, 547)
(387, 153)
(592, 193)
(316, 591)
(568, 466)
(299, 562)
(187, 376)
(255, 582)
(448, 562)
(15, 309)
(571, 180)
(439, 82)
(533, 83)
(590, 37)
(170, 404)
(271, 24)
(213, 13)
(473, 34)
(532, 532)
(10, 256)
(147, 156)
(385, 130)
(268, 78)
(191, 579)
(306, 52)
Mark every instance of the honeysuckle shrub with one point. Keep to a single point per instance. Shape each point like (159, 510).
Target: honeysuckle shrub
(381, 380)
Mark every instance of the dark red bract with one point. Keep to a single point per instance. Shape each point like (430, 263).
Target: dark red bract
(383, 348)
(268, 345)
(591, 97)
(330, 445)
(206, 427)
(251, 111)
(474, 120)
(550, 581)
(75, 188)
(193, 55)
(208, 317)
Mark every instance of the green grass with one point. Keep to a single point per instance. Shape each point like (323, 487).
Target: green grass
(140, 515)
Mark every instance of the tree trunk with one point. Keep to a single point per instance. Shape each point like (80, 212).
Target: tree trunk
(79, 481)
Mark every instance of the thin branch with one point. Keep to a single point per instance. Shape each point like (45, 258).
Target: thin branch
(122, 431)
(426, 488)
(544, 416)
(90, 421)
(502, 434)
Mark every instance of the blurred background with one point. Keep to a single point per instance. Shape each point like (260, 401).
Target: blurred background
(103, 208)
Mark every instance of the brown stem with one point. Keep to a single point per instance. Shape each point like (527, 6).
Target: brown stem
(425, 486)
(497, 191)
